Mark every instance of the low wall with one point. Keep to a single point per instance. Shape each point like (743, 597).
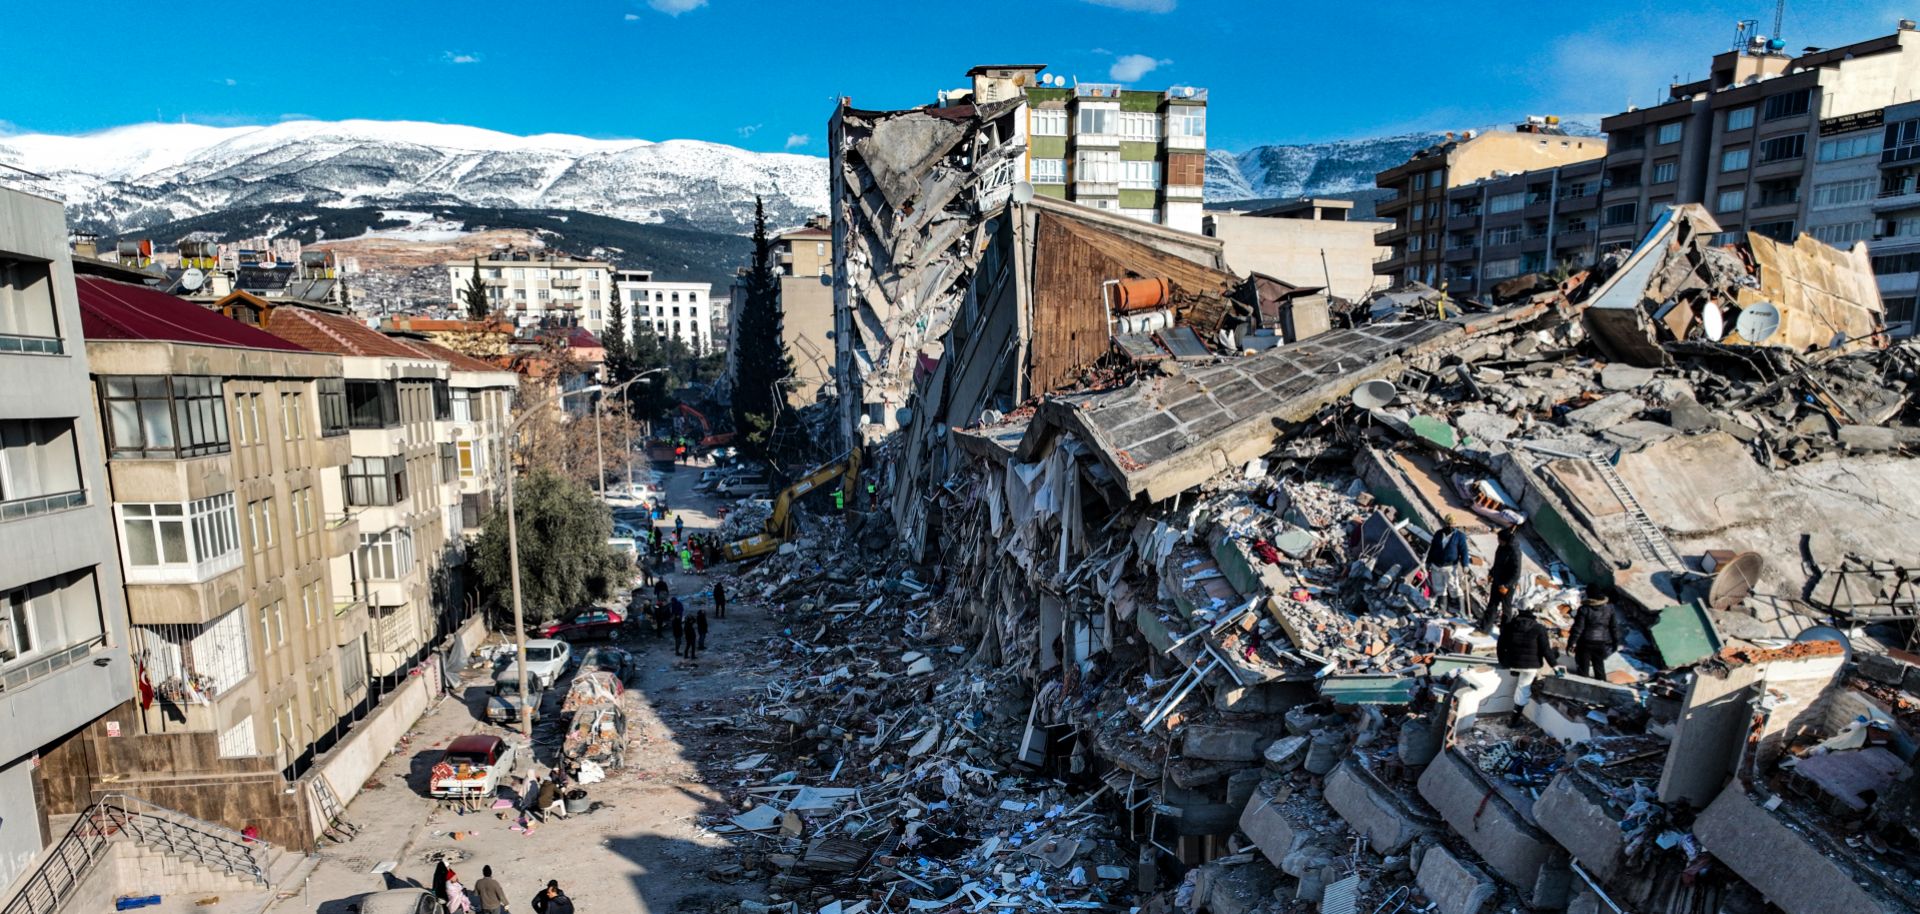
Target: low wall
(348, 765)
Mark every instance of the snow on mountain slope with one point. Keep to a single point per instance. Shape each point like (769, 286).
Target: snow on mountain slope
(1305, 169)
(146, 174)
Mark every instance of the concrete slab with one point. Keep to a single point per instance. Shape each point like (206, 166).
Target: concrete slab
(1793, 874)
(1269, 830)
(1223, 743)
(1588, 691)
(1573, 813)
(1371, 808)
(1457, 886)
(1517, 852)
(1618, 376)
(1605, 413)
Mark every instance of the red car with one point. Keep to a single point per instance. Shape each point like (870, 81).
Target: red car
(593, 623)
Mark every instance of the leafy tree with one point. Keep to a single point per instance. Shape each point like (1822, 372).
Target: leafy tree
(475, 295)
(614, 338)
(565, 562)
(762, 378)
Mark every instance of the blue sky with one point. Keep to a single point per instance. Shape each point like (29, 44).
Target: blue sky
(763, 75)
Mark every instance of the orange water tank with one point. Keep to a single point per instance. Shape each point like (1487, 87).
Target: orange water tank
(1141, 294)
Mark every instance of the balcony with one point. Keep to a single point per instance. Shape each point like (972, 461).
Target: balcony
(26, 672)
(493, 281)
(1391, 236)
(1463, 220)
(1097, 90)
(41, 504)
(1899, 192)
(1184, 93)
(343, 533)
(566, 284)
(185, 603)
(1459, 254)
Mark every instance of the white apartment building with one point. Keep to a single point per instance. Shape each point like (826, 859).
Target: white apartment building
(678, 309)
(532, 291)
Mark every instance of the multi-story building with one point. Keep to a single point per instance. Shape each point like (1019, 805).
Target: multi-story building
(1418, 205)
(64, 660)
(223, 443)
(1306, 242)
(1770, 142)
(390, 398)
(1894, 211)
(684, 310)
(533, 289)
(1141, 153)
(804, 260)
(1507, 225)
(475, 432)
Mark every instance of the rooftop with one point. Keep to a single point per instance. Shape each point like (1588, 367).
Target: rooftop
(334, 333)
(111, 310)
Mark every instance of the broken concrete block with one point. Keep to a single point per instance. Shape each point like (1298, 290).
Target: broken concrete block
(1576, 816)
(1240, 889)
(1223, 744)
(1618, 376)
(1269, 830)
(1588, 691)
(1792, 873)
(1688, 416)
(1514, 849)
(1370, 808)
(1556, 723)
(1636, 434)
(1457, 886)
(1605, 413)
(1481, 425)
(1286, 754)
(1870, 438)
(1242, 785)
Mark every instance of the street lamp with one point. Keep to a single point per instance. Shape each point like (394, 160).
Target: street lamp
(513, 554)
(600, 439)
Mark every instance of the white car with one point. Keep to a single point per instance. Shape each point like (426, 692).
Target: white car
(547, 660)
(745, 484)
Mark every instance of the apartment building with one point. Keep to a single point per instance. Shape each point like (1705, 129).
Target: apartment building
(1509, 225)
(1141, 153)
(1894, 211)
(684, 310)
(804, 259)
(533, 288)
(475, 433)
(1770, 142)
(222, 444)
(1418, 205)
(390, 399)
(64, 662)
(1305, 242)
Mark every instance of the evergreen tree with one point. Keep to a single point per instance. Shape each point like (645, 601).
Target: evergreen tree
(763, 373)
(651, 398)
(614, 338)
(475, 296)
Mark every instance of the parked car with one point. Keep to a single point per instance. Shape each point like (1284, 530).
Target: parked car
(472, 766)
(503, 703)
(547, 661)
(745, 484)
(585, 626)
(606, 660)
(402, 901)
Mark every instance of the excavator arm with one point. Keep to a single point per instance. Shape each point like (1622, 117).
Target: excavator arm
(780, 522)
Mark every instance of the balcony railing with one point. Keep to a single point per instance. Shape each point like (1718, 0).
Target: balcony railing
(30, 345)
(1097, 90)
(42, 504)
(26, 671)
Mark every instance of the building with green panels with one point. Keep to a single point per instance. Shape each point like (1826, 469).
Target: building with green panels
(1143, 153)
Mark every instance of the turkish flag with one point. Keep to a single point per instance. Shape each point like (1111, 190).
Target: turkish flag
(146, 689)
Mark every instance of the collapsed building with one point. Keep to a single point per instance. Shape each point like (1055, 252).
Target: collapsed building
(1180, 524)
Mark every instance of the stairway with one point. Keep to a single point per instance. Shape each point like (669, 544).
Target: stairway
(156, 851)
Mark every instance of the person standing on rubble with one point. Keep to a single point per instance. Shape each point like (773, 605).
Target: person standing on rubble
(1523, 649)
(674, 623)
(1502, 580)
(719, 600)
(1594, 637)
(700, 629)
(1447, 566)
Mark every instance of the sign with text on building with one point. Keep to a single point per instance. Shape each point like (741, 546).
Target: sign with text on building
(1847, 123)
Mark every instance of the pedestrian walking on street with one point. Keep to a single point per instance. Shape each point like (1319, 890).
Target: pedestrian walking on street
(1447, 566)
(1502, 579)
(700, 627)
(552, 901)
(719, 600)
(679, 525)
(1594, 637)
(674, 623)
(493, 898)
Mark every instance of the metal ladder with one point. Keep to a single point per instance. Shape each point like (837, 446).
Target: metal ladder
(1647, 535)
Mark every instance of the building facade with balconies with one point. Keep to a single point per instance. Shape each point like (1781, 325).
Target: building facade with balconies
(1509, 225)
(64, 661)
(475, 433)
(533, 291)
(684, 310)
(222, 444)
(1420, 203)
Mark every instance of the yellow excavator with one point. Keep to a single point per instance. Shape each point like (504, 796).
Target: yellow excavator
(780, 522)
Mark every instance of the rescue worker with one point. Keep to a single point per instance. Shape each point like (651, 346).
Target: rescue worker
(1594, 637)
(1502, 580)
(1522, 650)
(1447, 566)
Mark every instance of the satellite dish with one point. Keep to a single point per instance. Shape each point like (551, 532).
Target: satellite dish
(1022, 192)
(1713, 322)
(1734, 580)
(192, 279)
(1374, 394)
(1188, 92)
(1758, 322)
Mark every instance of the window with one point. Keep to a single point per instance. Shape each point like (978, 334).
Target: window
(1782, 148)
(333, 406)
(372, 404)
(1620, 214)
(1096, 166)
(1894, 264)
(260, 524)
(1740, 118)
(1787, 104)
(1847, 147)
(1844, 234)
(463, 400)
(1049, 122)
(159, 416)
(386, 556)
(1576, 189)
(1141, 126)
(1510, 234)
(1413, 244)
(376, 481)
(1731, 200)
(47, 617)
(1778, 231)
(39, 468)
(1420, 181)
(1503, 268)
(1902, 142)
(200, 538)
(1097, 119)
(442, 401)
(1733, 159)
(1778, 192)
(1187, 120)
(28, 321)
(469, 466)
(1668, 133)
(449, 461)
(1665, 172)
(1506, 203)
(1140, 175)
(1843, 193)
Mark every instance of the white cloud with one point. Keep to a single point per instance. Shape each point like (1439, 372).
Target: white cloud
(747, 131)
(631, 17)
(459, 57)
(231, 81)
(676, 7)
(797, 140)
(1129, 67)
(1137, 6)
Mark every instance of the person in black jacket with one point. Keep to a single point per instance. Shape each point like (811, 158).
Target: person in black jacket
(1503, 578)
(1594, 637)
(719, 600)
(1447, 558)
(552, 901)
(1522, 649)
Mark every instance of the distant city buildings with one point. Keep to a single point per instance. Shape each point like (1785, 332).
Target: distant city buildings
(532, 290)
(683, 310)
(1308, 242)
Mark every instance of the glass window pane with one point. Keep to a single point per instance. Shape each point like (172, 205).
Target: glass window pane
(141, 548)
(173, 541)
(157, 425)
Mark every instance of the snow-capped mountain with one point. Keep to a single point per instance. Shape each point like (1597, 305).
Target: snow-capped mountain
(1306, 169)
(148, 174)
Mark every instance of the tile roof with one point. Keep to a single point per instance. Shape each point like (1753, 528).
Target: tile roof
(459, 360)
(111, 310)
(335, 333)
(580, 338)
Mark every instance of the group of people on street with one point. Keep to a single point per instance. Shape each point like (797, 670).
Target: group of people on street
(1523, 646)
(693, 552)
(688, 628)
(489, 897)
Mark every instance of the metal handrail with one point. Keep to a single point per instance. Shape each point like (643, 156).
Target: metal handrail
(73, 858)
